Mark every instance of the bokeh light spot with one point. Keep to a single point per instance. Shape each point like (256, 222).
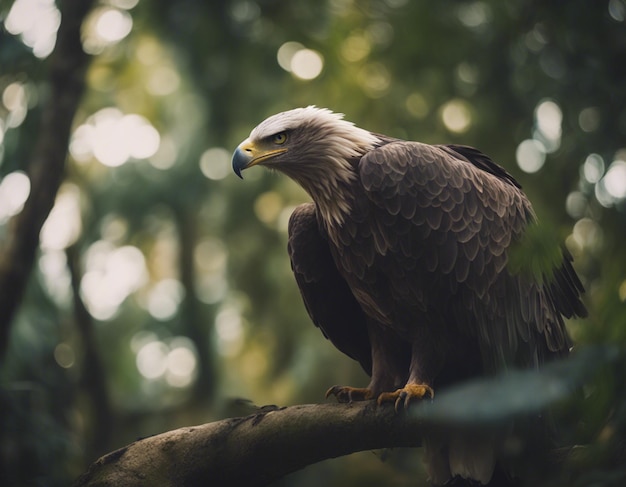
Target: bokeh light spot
(36, 22)
(456, 116)
(375, 79)
(474, 14)
(151, 360)
(141, 338)
(123, 4)
(64, 355)
(589, 119)
(15, 99)
(552, 63)
(14, 191)
(211, 288)
(548, 118)
(268, 206)
(587, 233)
(380, 33)
(165, 157)
(215, 163)
(282, 222)
(144, 139)
(286, 52)
(593, 168)
(113, 25)
(244, 11)
(163, 80)
(148, 51)
(63, 225)
(467, 73)
(111, 275)
(530, 155)
(113, 138)
(56, 276)
(164, 299)
(173, 360)
(211, 258)
(82, 142)
(615, 180)
(105, 27)
(602, 195)
(114, 228)
(355, 48)
(617, 10)
(622, 291)
(417, 105)
(307, 64)
(576, 204)
(181, 363)
(210, 255)
(536, 40)
(14, 96)
(229, 329)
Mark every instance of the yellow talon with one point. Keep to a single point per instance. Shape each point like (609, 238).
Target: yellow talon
(405, 395)
(349, 394)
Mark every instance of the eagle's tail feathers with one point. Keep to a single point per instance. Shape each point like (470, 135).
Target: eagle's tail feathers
(472, 459)
(462, 458)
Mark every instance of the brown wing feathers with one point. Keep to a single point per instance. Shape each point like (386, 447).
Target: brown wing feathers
(433, 217)
(326, 295)
(463, 212)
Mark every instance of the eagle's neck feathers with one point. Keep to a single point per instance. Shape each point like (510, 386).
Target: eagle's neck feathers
(328, 183)
(329, 167)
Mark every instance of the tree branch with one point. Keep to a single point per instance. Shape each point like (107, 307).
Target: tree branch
(67, 66)
(256, 449)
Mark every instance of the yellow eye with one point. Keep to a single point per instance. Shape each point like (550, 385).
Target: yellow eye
(280, 138)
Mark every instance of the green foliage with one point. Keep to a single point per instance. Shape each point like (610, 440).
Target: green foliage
(537, 254)
(212, 275)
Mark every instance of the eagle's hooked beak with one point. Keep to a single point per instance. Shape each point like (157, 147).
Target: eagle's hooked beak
(247, 154)
(243, 156)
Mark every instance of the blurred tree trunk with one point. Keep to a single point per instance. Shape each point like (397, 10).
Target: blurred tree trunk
(45, 169)
(93, 377)
(195, 326)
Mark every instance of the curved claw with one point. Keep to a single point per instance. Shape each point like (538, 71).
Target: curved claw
(334, 391)
(348, 394)
(405, 395)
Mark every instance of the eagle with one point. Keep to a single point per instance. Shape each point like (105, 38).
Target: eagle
(403, 261)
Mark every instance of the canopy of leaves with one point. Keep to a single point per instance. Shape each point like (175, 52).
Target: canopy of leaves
(161, 293)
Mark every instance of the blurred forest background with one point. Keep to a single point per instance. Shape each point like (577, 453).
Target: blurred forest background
(161, 294)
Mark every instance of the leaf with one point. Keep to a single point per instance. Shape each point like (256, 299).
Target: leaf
(496, 401)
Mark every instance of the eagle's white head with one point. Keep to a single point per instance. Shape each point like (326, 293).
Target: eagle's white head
(315, 147)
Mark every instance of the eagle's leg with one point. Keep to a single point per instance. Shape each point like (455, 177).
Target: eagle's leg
(390, 361)
(418, 386)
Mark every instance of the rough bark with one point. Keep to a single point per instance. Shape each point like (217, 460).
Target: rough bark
(66, 67)
(256, 449)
